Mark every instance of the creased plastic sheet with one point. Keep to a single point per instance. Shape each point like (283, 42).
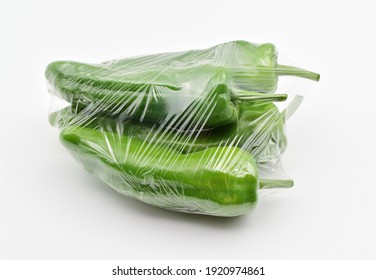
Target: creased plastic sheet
(198, 131)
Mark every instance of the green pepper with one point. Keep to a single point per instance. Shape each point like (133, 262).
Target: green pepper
(174, 87)
(201, 102)
(221, 181)
(259, 130)
(245, 65)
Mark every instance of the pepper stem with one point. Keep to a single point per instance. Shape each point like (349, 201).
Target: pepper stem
(275, 183)
(256, 96)
(286, 70)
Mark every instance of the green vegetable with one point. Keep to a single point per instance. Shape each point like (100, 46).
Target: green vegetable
(244, 65)
(210, 107)
(200, 86)
(260, 126)
(221, 181)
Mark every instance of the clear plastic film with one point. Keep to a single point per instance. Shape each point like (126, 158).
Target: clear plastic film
(197, 131)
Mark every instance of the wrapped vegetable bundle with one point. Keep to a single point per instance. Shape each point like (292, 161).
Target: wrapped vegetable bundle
(185, 131)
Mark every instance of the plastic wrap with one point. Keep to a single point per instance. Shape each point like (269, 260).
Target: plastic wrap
(197, 131)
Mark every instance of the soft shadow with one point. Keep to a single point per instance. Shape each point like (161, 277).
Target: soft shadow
(141, 208)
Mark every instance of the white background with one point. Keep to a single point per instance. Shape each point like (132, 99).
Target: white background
(50, 208)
